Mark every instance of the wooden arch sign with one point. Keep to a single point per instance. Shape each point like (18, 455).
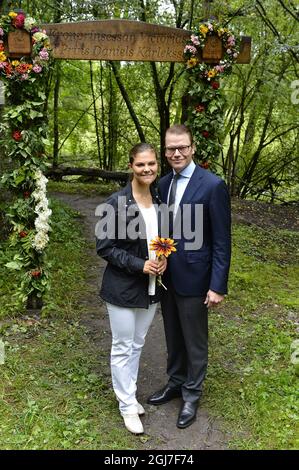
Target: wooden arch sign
(126, 40)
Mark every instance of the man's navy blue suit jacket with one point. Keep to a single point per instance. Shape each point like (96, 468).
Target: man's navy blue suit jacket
(194, 272)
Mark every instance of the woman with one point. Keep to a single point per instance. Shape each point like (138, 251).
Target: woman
(129, 284)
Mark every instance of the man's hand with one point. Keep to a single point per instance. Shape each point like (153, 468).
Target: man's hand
(213, 299)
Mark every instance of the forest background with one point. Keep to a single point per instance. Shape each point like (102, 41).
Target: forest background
(98, 110)
(55, 385)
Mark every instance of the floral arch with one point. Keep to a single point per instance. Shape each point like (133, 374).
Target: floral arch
(24, 128)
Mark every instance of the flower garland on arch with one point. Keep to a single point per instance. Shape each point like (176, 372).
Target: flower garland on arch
(23, 133)
(28, 68)
(206, 101)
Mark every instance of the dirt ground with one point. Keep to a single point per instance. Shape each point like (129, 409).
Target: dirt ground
(160, 422)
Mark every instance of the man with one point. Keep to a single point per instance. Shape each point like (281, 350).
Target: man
(196, 278)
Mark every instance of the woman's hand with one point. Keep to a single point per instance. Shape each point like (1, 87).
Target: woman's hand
(162, 265)
(150, 267)
(156, 267)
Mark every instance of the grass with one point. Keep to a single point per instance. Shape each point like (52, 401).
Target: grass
(55, 392)
(54, 386)
(251, 382)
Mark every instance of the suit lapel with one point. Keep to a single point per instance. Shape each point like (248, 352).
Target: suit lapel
(192, 186)
(165, 187)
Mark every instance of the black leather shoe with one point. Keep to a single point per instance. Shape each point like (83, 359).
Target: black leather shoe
(163, 396)
(187, 414)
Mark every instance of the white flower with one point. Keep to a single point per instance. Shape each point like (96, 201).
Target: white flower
(39, 36)
(43, 212)
(29, 23)
(40, 241)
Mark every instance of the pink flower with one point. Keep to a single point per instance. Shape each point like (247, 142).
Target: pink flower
(219, 68)
(195, 39)
(191, 49)
(37, 68)
(34, 30)
(1, 32)
(25, 76)
(231, 41)
(44, 55)
(18, 21)
(210, 26)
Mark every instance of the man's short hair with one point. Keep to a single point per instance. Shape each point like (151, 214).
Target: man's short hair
(180, 129)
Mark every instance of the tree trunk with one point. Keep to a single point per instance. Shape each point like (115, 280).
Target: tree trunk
(103, 119)
(112, 124)
(127, 100)
(59, 172)
(95, 114)
(56, 116)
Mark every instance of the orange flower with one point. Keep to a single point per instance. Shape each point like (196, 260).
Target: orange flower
(162, 246)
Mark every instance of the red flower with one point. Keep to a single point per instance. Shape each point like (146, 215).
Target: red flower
(26, 194)
(1, 47)
(23, 234)
(200, 108)
(205, 134)
(8, 69)
(215, 85)
(205, 165)
(35, 273)
(18, 21)
(17, 135)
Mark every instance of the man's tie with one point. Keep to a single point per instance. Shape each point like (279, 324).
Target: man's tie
(171, 201)
(172, 193)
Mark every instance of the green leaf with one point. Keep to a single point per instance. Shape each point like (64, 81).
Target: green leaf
(14, 265)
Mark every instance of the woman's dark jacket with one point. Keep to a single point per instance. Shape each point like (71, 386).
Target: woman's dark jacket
(124, 282)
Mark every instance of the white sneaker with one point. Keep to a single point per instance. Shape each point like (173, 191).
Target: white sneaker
(140, 409)
(133, 423)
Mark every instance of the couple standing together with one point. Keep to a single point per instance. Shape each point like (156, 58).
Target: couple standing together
(195, 279)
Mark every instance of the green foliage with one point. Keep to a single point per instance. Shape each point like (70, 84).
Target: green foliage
(23, 137)
(61, 393)
(252, 382)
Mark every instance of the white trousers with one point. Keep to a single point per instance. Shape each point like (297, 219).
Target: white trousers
(129, 327)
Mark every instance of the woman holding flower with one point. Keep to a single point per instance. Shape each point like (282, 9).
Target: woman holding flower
(128, 223)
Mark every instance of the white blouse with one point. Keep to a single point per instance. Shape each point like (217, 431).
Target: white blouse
(151, 223)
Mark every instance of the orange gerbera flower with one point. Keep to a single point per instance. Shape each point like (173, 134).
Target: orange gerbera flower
(162, 246)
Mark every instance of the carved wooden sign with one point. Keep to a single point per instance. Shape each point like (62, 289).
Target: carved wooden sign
(213, 49)
(123, 40)
(18, 43)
